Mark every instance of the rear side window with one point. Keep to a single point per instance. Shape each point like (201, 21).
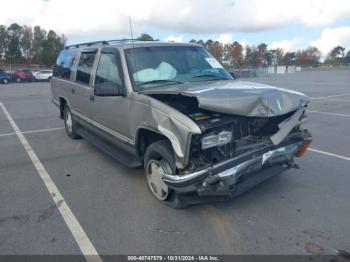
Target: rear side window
(85, 65)
(64, 64)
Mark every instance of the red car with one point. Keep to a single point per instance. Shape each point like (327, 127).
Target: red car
(22, 75)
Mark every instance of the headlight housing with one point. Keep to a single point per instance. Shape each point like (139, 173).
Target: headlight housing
(219, 139)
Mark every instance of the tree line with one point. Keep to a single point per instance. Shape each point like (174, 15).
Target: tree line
(27, 45)
(236, 55)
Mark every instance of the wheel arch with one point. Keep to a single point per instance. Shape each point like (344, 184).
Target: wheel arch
(145, 137)
(62, 103)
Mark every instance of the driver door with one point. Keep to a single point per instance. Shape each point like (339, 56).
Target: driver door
(110, 111)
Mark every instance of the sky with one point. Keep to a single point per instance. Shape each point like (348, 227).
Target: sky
(289, 24)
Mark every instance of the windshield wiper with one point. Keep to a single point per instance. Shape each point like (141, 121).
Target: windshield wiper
(160, 81)
(210, 75)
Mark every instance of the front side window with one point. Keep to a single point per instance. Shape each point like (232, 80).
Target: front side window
(107, 70)
(85, 65)
(158, 66)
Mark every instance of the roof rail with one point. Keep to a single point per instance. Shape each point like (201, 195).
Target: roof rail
(104, 42)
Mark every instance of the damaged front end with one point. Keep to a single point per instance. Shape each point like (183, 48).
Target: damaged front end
(235, 152)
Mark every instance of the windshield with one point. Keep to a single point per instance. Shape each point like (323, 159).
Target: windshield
(159, 66)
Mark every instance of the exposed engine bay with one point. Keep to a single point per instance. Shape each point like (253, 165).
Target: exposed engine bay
(224, 136)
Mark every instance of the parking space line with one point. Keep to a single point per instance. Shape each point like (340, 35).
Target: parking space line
(321, 97)
(73, 224)
(33, 131)
(329, 154)
(331, 99)
(328, 113)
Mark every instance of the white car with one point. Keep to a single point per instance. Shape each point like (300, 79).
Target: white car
(43, 75)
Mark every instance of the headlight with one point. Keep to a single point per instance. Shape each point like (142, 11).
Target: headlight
(220, 139)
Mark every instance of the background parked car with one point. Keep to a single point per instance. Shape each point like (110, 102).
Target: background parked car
(4, 77)
(43, 75)
(22, 75)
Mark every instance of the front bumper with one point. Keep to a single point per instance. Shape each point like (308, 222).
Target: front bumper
(240, 173)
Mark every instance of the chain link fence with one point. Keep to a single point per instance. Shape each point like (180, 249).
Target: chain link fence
(264, 71)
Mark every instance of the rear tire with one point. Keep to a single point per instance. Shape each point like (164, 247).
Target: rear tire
(70, 124)
(159, 159)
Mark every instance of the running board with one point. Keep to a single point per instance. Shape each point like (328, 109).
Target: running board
(119, 155)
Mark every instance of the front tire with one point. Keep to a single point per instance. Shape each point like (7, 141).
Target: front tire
(70, 124)
(5, 81)
(159, 160)
(18, 80)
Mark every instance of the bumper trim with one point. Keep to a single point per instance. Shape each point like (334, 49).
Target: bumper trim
(236, 163)
(231, 170)
(270, 157)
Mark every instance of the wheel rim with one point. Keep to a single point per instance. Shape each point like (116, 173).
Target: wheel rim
(69, 122)
(155, 172)
(5, 81)
(18, 80)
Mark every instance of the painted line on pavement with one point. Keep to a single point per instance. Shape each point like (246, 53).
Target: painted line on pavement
(322, 97)
(330, 99)
(328, 113)
(329, 154)
(33, 131)
(83, 241)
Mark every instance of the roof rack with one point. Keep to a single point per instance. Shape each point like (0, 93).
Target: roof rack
(105, 42)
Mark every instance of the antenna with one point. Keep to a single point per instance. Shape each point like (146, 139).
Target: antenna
(133, 46)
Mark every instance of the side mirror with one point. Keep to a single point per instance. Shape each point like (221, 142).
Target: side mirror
(107, 89)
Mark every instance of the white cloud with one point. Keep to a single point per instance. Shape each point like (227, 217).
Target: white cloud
(331, 37)
(172, 38)
(287, 45)
(85, 17)
(225, 38)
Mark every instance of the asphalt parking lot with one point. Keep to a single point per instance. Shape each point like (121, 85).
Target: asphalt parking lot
(304, 211)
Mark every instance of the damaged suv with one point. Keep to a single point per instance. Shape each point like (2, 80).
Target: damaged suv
(173, 109)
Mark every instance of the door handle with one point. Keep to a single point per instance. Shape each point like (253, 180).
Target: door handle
(92, 98)
(73, 91)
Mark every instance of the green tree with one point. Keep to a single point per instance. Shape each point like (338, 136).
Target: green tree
(289, 58)
(145, 37)
(26, 42)
(209, 43)
(201, 42)
(314, 55)
(261, 54)
(269, 57)
(347, 57)
(37, 44)
(51, 47)
(336, 55)
(217, 50)
(3, 41)
(14, 53)
(251, 56)
(236, 54)
(279, 56)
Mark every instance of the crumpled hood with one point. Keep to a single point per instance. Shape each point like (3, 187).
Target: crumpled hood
(241, 98)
